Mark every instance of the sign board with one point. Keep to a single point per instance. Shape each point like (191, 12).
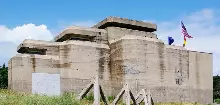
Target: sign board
(47, 84)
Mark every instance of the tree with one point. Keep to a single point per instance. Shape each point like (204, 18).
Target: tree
(3, 76)
(216, 87)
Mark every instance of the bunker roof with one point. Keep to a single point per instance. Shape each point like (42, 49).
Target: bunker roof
(126, 23)
(82, 32)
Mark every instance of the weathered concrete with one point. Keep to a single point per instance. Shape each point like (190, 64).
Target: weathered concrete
(126, 23)
(84, 34)
(120, 51)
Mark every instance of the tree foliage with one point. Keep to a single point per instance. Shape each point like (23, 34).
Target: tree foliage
(216, 87)
(3, 76)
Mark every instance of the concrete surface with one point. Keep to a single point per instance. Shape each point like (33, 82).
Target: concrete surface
(121, 51)
(126, 23)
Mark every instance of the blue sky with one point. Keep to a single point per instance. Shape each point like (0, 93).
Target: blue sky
(43, 19)
(54, 12)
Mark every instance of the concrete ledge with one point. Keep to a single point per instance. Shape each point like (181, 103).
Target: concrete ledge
(37, 41)
(126, 23)
(183, 48)
(133, 37)
(175, 47)
(201, 52)
(36, 56)
(31, 45)
(42, 46)
(82, 43)
(79, 32)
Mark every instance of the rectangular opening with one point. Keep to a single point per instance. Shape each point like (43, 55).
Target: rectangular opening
(82, 38)
(27, 50)
(76, 37)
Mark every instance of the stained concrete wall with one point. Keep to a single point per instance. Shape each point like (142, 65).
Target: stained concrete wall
(77, 62)
(22, 66)
(176, 84)
(139, 64)
(200, 71)
(115, 33)
(135, 59)
(81, 63)
(168, 71)
(19, 74)
(119, 55)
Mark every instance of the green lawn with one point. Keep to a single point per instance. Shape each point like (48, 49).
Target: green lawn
(12, 98)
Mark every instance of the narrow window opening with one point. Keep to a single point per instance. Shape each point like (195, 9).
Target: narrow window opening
(76, 37)
(36, 51)
(27, 50)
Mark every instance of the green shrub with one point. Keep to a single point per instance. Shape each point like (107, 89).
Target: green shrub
(217, 101)
(111, 98)
(3, 77)
(89, 97)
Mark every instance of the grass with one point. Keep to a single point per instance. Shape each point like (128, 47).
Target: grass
(8, 97)
(176, 103)
(12, 98)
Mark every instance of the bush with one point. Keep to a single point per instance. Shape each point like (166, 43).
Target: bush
(216, 87)
(3, 77)
(217, 101)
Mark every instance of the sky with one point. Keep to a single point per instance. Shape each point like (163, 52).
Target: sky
(44, 19)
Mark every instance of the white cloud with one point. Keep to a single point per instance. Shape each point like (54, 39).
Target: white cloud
(11, 38)
(27, 31)
(203, 26)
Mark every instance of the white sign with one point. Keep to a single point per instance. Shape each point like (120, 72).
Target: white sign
(47, 84)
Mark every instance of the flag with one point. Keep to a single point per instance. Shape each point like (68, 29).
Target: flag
(185, 33)
(170, 40)
(184, 43)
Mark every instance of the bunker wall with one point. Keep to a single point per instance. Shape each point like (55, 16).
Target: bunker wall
(80, 63)
(145, 62)
(115, 33)
(201, 82)
(22, 66)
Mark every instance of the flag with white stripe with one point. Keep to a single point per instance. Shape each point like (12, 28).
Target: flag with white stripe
(185, 33)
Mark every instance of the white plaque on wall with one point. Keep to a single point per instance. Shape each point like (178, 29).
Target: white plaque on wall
(47, 84)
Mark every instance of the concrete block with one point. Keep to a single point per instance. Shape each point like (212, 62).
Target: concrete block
(87, 34)
(126, 23)
(121, 51)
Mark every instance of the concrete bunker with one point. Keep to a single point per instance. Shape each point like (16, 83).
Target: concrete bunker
(121, 51)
